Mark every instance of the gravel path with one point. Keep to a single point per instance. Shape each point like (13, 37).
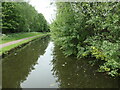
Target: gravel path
(14, 42)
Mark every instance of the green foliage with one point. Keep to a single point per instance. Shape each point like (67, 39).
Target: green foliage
(90, 29)
(107, 51)
(22, 17)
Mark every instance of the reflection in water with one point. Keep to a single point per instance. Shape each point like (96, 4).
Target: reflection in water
(42, 77)
(42, 65)
(73, 73)
(17, 66)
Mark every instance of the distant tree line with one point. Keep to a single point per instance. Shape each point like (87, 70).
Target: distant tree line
(22, 17)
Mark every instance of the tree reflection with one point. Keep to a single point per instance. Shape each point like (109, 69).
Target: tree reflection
(17, 66)
(73, 73)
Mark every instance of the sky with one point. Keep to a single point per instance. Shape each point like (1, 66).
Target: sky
(44, 7)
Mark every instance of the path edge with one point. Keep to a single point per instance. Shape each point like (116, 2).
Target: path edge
(20, 46)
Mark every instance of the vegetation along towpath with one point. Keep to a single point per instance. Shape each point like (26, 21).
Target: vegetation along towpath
(16, 41)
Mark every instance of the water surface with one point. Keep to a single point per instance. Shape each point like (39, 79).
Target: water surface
(41, 64)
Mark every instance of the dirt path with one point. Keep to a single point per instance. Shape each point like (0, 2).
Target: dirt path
(14, 42)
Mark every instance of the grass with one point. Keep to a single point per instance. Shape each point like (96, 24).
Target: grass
(16, 36)
(8, 48)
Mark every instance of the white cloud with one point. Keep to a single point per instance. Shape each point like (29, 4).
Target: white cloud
(44, 7)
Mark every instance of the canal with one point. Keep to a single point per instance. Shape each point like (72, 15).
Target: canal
(41, 64)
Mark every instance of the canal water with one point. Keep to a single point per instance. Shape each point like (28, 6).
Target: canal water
(41, 64)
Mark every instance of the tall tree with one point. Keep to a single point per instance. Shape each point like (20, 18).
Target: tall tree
(22, 17)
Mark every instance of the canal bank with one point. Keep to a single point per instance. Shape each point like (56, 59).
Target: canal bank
(9, 47)
(41, 64)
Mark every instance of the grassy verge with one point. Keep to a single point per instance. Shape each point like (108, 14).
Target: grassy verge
(16, 36)
(8, 48)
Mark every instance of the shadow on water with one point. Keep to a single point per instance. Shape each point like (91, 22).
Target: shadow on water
(73, 73)
(41, 64)
(17, 66)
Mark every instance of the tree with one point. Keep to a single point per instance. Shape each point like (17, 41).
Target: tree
(22, 17)
(89, 29)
